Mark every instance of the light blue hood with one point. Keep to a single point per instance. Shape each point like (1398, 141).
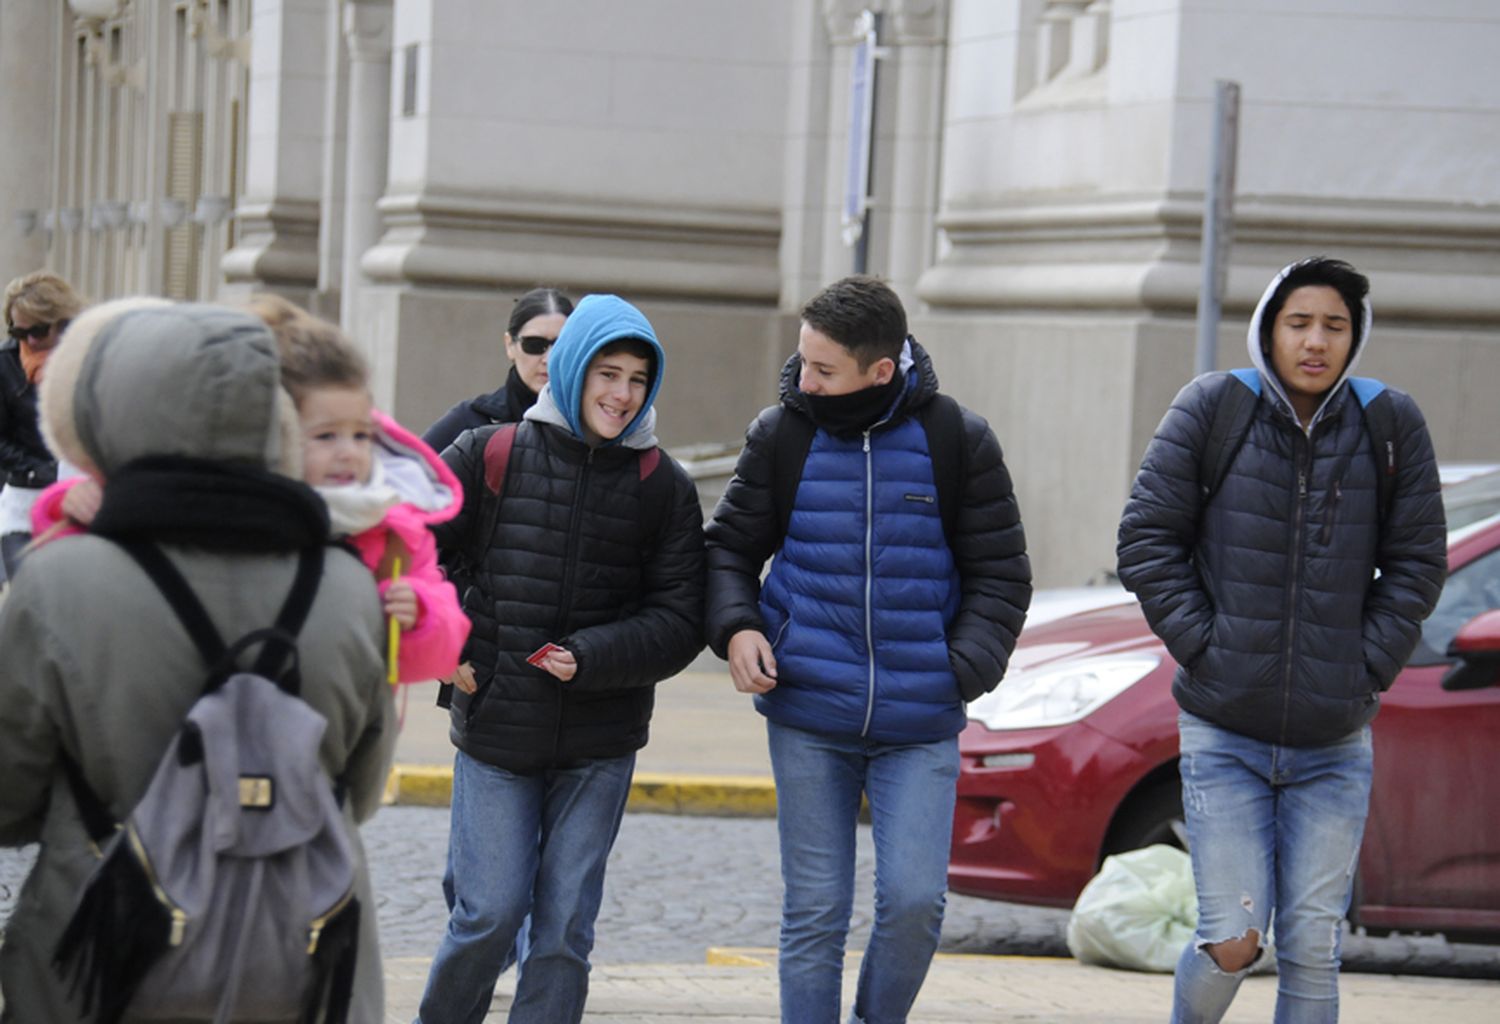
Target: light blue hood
(597, 321)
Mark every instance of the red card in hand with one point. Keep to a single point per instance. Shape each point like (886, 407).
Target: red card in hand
(536, 656)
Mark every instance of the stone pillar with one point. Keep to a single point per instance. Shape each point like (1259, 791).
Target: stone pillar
(27, 36)
(331, 207)
(367, 29)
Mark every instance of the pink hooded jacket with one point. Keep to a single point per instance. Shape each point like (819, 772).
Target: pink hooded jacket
(386, 518)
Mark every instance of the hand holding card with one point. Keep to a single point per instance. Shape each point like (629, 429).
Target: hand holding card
(539, 655)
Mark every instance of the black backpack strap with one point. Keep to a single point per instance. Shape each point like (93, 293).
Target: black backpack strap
(1232, 415)
(279, 641)
(943, 422)
(1380, 423)
(791, 440)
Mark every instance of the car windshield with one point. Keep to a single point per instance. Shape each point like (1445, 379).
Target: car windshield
(1473, 589)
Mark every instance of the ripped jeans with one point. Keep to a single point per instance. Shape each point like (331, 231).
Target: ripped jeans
(1274, 832)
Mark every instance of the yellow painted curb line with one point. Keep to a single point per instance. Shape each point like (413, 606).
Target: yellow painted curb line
(746, 956)
(740, 796)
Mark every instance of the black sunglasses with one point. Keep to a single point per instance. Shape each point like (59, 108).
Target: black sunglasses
(534, 344)
(36, 332)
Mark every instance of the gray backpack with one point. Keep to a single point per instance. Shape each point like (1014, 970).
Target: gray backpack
(228, 891)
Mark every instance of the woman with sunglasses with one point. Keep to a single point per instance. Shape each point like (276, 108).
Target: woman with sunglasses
(38, 307)
(535, 321)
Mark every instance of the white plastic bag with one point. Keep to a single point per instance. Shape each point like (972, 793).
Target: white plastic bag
(1138, 912)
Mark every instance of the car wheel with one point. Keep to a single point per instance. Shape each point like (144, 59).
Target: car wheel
(1150, 816)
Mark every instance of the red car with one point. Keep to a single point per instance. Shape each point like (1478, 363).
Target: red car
(1074, 757)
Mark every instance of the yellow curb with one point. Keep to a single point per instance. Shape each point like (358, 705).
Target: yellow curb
(728, 956)
(740, 796)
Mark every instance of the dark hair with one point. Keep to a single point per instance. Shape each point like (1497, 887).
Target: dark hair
(1351, 285)
(537, 302)
(862, 314)
(631, 347)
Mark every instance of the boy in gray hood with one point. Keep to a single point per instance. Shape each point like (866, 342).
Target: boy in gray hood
(181, 408)
(1265, 591)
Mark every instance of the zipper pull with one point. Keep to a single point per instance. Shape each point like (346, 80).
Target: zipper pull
(867, 440)
(1301, 484)
(179, 927)
(313, 934)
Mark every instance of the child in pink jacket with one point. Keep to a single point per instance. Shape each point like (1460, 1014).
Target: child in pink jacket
(382, 484)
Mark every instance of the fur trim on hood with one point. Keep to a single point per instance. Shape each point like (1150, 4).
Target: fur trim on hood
(142, 377)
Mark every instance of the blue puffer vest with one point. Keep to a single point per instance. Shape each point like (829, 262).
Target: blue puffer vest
(858, 601)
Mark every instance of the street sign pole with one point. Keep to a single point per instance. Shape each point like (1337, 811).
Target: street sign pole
(859, 163)
(1218, 221)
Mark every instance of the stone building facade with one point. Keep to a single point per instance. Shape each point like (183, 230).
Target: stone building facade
(1037, 179)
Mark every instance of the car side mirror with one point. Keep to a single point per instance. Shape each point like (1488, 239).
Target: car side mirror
(1477, 648)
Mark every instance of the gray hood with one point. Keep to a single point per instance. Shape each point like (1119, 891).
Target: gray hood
(1258, 357)
(192, 380)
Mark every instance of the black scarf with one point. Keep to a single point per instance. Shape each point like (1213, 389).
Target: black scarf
(219, 506)
(846, 415)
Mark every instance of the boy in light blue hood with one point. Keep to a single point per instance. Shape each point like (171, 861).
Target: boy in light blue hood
(585, 544)
(600, 325)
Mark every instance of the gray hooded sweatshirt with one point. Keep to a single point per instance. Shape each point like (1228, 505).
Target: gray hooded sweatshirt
(96, 664)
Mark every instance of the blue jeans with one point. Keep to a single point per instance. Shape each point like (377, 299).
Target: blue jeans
(819, 781)
(1274, 832)
(524, 845)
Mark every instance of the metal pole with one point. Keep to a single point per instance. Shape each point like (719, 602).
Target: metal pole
(862, 245)
(1218, 220)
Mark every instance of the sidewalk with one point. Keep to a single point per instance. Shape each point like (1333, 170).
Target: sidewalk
(959, 990)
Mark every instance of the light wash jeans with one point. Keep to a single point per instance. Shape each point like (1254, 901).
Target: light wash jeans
(1274, 832)
(524, 848)
(819, 782)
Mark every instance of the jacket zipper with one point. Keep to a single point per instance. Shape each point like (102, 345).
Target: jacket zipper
(570, 561)
(179, 916)
(1289, 650)
(869, 580)
(1325, 536)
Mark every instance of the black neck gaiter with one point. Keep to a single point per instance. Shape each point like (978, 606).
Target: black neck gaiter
(850, 414)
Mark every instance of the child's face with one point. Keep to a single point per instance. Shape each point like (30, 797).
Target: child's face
(338, 436)
(614, 388)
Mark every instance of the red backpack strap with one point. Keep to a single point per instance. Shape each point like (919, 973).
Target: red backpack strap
(649, 460)
(497, 456)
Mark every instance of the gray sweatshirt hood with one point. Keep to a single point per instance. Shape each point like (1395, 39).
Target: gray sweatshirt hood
(1258, 355)
(192, 380)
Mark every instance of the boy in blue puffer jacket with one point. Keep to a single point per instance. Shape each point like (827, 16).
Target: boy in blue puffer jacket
(899, 584)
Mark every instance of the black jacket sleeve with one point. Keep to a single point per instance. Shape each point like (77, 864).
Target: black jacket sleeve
(1413, 552)
(664, 631)
(465, 457)
(989, 549)
(742, 535)
(1159, 527)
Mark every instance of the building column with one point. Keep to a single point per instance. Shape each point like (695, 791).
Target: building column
(367, 29)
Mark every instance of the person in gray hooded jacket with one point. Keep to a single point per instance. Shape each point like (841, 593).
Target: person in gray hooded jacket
(181, 409)
(1267, 595)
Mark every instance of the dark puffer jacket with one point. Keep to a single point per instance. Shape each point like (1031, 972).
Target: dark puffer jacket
(24, 458)
(506, 404)
(885, 643)
(1267, 597)
(568, 566)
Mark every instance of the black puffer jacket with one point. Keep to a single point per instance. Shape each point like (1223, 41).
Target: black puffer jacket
(24, 458)
(567, 566)
(506, 404)
(1266, 597)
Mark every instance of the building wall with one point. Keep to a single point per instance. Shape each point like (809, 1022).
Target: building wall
(411, 166)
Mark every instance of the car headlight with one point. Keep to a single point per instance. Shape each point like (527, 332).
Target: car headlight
(1057, 695)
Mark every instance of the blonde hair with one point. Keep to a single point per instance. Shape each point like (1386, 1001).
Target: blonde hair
(43, 296)
(314, 353)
